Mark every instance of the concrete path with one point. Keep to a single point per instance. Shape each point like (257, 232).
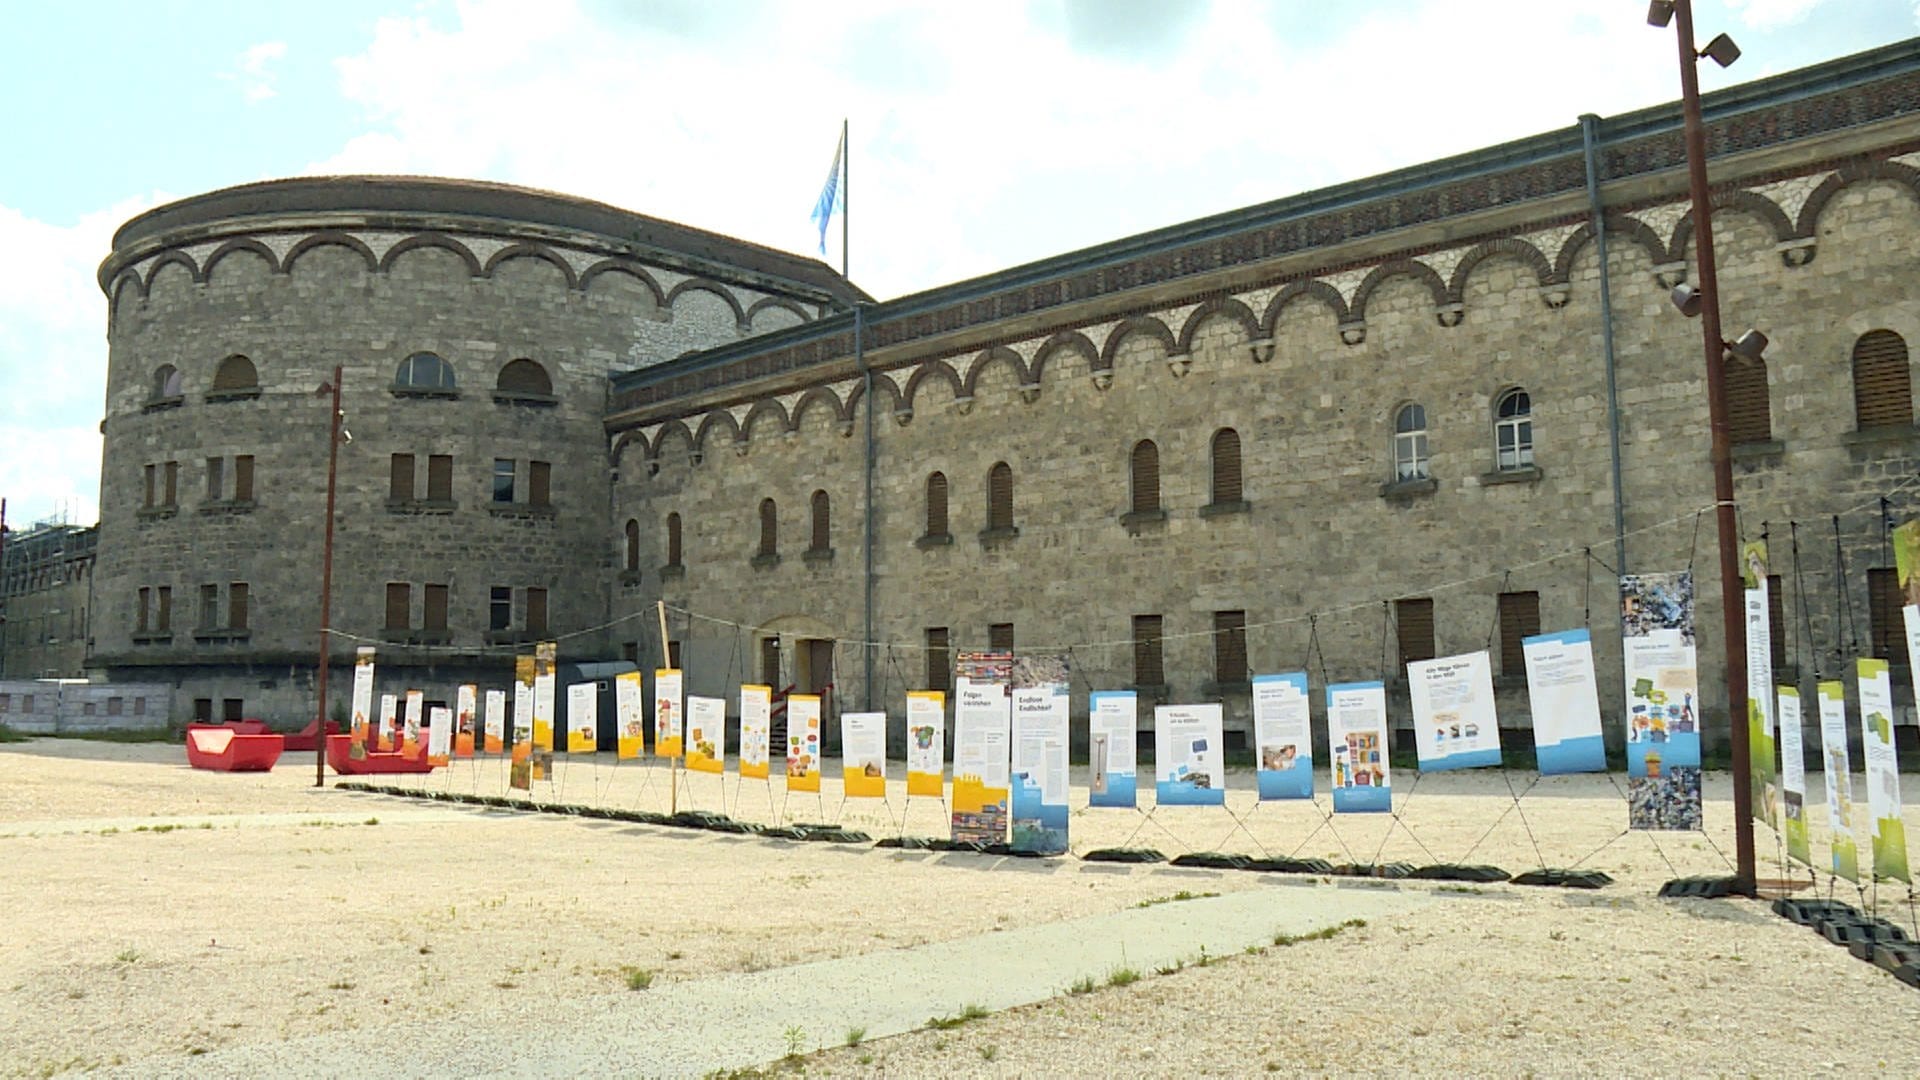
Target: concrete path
(740, 1020)
(73, 826)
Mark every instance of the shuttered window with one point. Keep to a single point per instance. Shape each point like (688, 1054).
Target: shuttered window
(216, 477)
(1749, 416)
(1230, 646)
(1882, 388)
(673, 539)
(937, 504)
(163, 613)
(769, 528)
(238, 598)
(822, 522)
(1145, 468)
(539, 483)
(440, 478)
(1000, 496)
(400, 478)
(1413, 624)
(1888, 625)
(770, 662)
(209, 606)
(633, 545)
(434, 600)
(399, 604)
(146, 612)
(151, 472)
(243, 478)
(1226, 466)
(939, 660)
(1519, 619)
(1148, 669)
(524, 377)
(1000, 637)
(1777, 627)
(536, 611)
(173, 482)
(235, 373)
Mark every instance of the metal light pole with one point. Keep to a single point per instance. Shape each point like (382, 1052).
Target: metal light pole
(326, 581)
(1720, 455)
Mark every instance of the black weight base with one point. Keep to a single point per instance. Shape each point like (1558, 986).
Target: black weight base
(1553, 878)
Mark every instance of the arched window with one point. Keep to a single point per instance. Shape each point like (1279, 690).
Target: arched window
(524, 377)
(822, 529)
(673, 539)
(1410, 444)
(937, 504)
(424, 371)
(633, 546)
(1513, 431)
(769, 528)
(166, 381)
(1145, 468)
(1000, 496)
(1882, 389)
(236, 373)
(1226, 466)
(1749, 415)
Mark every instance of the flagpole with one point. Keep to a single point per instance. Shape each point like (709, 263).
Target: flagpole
(846, 200)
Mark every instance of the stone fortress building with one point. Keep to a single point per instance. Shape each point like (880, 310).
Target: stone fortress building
(1428, 412)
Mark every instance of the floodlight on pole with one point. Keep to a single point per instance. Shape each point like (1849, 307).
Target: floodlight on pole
(1687, 299)
(1749, 345)
(1660, 13)
(1721, 50)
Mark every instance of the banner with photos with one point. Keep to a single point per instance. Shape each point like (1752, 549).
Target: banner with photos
(863, 755)
(1283, 736)
(1454, 723)
(1112, 721)
(756, 729)
(1838, 770)
(1038, 776)
(982, 729)
(1663, 691)
(926, 742)
(1357, 738)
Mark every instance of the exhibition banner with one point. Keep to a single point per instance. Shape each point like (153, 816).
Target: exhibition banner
(630, 715)
(1283, 736)
(1883, 772)
(362, 701)
(706, 734)
(756, 726)
(495, 739)
(387, 736)
(1189, 759)
(667, 717)
(926, 742)
(1763, 782)
(544, 689)
(1454, 723)
(982, 728)
(1838, 769)
(522, 700)
(1357, 736)
(1663, 726)
(863, 755)
(1565, 699)
(1038, 778)
(583, 718)
(416, 715)
(1112, 721)
(1793, 774)
(803, 742)
(466, 702)
(439, 734)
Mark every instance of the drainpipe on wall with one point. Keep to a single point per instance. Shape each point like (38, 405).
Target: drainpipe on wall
(866, 541)
(1589, 145)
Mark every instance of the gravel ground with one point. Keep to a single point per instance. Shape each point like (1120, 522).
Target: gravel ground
(157, 913)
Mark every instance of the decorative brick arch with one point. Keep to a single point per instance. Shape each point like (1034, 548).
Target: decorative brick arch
(1064, 341)
(1519, 250)
(671, 429)
(825, 397)
(432, 240)
(717, 289)
(171, 258)
(767, 302)
(1224, 307)
(714, 422)
(634, 435)
(128, 277)
(632, 270)
(1139, 324)
(532, 251)
(330, 238)
(1624, 226)
(999, 354)
(1751, 202)
(1386, 271)
(883, 385)
(766, 407)
(241, 244)
(937, 369)
(1852, 172)
(1307, 289)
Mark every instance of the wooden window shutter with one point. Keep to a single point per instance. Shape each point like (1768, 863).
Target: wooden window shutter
(1226, 466)
(399, 604)
(434, 617)
(400, 478)
(822, 522)
(769, 528)
(1000, 637)
(1413, 622)
(1000, 496)
(770, 662)
(937, 504)
(1148, 668)
(243, 478)
(633, 545)
(1230, 646)
(1749, 414)
(440, 477)
(1519, 619)
(1146, 477)
(536, 611)
(939, 661)
(146, 605)
(1888, 625)
(1882, 389)
(673, 539)
(540, 483)
(237, 605)
(1777, 626)
(163, 620)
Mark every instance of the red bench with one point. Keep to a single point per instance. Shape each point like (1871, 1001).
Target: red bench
(308, 738)
(340, 756)
(241, 746)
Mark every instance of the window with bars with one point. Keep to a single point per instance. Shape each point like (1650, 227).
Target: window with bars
(433, 614)
(1144, 469)
(243, 478)
(239, 599)
(1519, 619)
(937, 504)
(822, 524)
(1000, 496)
(673, 539)
(539, 483)
(440, 477)
(1413, 627)
(1148, 669)
(399, 605)
(770, 662)
(939, 659)
(424, 371)
(632, 561)
(1749, 411)
(500, 608)
(1777, 624)
(769, 528)
(1226, 467)
(536, 611)
(1513, 431)
(1000, 636)
(1882, 385)
(1887, 625)
(216, 478)
(1229, 647)
(400, 478)
(1410, 461)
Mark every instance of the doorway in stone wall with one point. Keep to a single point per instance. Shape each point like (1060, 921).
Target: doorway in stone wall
(813, 670)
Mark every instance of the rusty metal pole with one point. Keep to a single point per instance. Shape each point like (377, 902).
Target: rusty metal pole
(326, 585)
(673, 763)
(1716, 352)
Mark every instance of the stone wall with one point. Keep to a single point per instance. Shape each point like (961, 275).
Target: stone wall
(66, 707)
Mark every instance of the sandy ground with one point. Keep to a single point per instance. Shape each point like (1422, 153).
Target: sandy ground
(156, 913)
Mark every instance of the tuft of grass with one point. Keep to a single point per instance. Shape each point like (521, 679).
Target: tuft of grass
(339, 984)
(8, 735)
(1122, 976)
(128, 956)
(796, 1037)
(155, 828)
(1283, 939)
(856, 1036)
(1082, 985)
(1203, 960)
(1183, 894)
(1169, 969)
(110, 830)
(988, 1053)
(968, 1014)
(506, 984)
(675, 955)
(373, 821)
(637, 978)
(864, 1059)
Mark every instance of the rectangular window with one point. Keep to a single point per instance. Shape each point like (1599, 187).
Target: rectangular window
(172, 483)
(770, 662)
(6, 702)
(89, 708)
(1883, 609)
(400, 480)
(243, 478)
(116, 706)
(630, 652)
(209, 607)
(1519, 619)
(500, 608)
(146, 611)
(434, 601)
(939, 661)
(1230, 646)
(539, 483)
(1000, 637)
(502, 480)
(163, 611)
(1413, 622)
(152, 475)
(237, 601)
(232, 709)
(440, 478)
(399, 605)
(673, 655)
(1148, 670)
(216, 478)
(139, 706)
(203, 710)
(536, 611)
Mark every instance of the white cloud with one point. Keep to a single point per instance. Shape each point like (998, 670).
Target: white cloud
(1773, 14)
(255, 72)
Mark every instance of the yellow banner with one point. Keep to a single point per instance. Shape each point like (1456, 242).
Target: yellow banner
(706, 734)
(756, 708)
(926, 728)
(666, 713)
(803, 742)
(628, 695)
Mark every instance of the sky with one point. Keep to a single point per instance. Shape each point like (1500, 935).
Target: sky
(984, 135)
